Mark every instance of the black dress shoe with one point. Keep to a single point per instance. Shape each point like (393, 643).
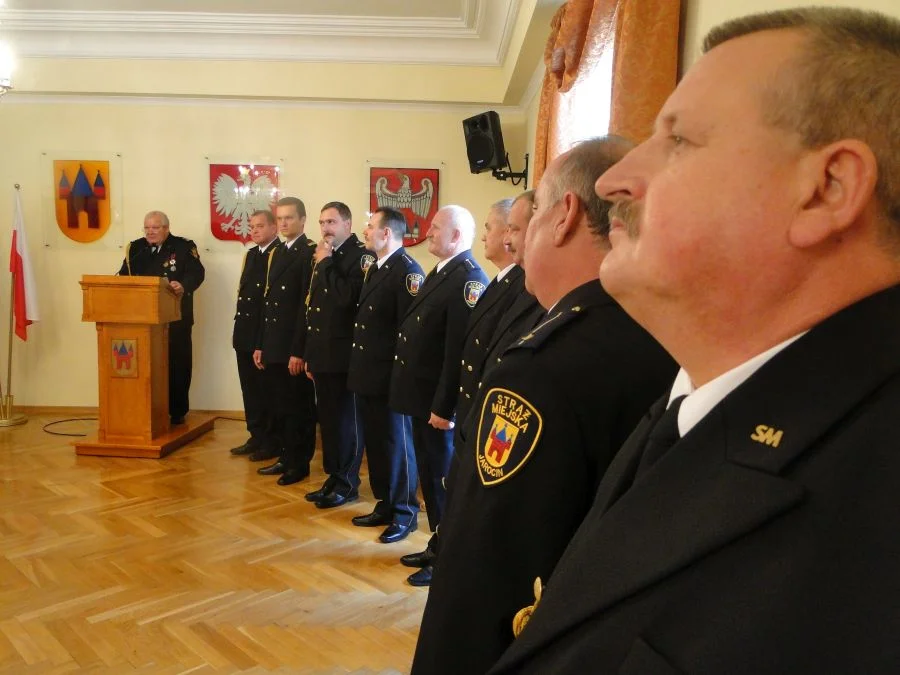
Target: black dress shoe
(333, 499)
(373, 519)
(177, 419)
(396, 532)
(291, 476)
(421, 559)
(244, 449)
(316, 495)
(264, 454)
(275, 469)
(422, 577)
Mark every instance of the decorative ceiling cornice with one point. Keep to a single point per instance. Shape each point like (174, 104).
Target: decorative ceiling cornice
(478, 36)
(465, 109)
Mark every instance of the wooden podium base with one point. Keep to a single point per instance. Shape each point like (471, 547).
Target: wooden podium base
(195, 425)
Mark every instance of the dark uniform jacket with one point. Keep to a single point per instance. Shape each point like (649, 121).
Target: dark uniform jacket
(425, 377)
(483, 322)
(383, 301)
(177, 260)
(251, 292)
(334, 292)
(523, 314)
(764, 541)
(550, 418)
(283, 332)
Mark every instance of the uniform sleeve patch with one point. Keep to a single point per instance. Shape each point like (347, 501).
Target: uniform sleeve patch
(472, 291)
(508, 432)
(414, 283)
(365, 262)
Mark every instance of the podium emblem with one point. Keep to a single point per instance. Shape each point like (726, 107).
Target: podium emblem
(124, 358)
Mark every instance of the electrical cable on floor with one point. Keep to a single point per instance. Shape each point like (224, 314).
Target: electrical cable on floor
(46, 429)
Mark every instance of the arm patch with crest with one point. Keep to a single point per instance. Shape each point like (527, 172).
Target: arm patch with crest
(509, 428)
(414, 283)
(472, 291)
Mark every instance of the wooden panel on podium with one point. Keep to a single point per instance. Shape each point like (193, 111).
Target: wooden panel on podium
(132, 316)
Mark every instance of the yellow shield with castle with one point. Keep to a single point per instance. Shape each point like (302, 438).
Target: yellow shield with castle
(81, 189)
(508, 432)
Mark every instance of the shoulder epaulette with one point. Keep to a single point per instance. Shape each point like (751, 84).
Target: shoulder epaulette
(553, 323)
(310, 243)
(470, 263)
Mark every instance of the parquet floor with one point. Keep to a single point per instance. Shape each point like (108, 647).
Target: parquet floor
(189, 564)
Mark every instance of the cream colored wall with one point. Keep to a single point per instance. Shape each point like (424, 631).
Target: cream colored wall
(701, 15)
(163, 146)
(531, 107)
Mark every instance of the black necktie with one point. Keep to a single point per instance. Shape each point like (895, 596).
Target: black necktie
(663, 436)
(370, 272)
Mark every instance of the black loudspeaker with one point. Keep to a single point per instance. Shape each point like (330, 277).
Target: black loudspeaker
(484, 142)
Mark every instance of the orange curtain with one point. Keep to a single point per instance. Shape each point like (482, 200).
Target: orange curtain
(643, 35)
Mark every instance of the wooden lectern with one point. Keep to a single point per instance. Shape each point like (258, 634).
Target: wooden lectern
(132, 316)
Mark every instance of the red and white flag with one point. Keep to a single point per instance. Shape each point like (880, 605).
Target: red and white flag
(25, 292)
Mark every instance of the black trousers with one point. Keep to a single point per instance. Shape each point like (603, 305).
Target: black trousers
(180, 364)
(341, 430)
(434, 449)
(392, 459)
(253, 394)
(291, 401)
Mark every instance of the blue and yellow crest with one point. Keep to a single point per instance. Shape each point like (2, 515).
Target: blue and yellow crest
(508, 433)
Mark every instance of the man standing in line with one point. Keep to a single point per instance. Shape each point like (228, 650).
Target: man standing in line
(160, 254)
(550, 418)
(331, 307)
(425, 378)
(391, 283)
(290, 395)
(495, 300)
(251, 291)
(482, 324)
(746, 526)
(525, 312)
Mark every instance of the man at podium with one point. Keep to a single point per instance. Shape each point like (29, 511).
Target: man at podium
(159, 254)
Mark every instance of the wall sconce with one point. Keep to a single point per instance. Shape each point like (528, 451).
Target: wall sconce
(7, 63)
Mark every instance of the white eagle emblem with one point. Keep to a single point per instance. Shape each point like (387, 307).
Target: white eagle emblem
(404, 198)
(239, 201)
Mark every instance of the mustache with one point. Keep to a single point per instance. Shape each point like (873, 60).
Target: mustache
(629, 213)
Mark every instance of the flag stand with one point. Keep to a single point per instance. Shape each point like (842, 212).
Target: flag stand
(8, 418)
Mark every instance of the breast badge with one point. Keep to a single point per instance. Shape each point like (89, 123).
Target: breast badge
(365, 262)
(507, 435)
(413, 283)
(472, 291)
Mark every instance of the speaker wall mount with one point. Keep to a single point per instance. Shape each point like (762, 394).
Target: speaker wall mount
(485, 149)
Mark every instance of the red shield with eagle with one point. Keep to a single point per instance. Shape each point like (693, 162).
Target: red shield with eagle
(235, 192)
(413, 192)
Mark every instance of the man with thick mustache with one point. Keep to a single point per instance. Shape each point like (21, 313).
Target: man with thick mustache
(550, 416)
(746, 525)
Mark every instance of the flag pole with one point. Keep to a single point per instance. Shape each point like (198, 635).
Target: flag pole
(7, 417)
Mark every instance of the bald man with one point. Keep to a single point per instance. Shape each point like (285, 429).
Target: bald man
(425, 379)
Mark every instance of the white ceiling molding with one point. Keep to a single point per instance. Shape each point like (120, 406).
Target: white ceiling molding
(466, 109)
(478, 36)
